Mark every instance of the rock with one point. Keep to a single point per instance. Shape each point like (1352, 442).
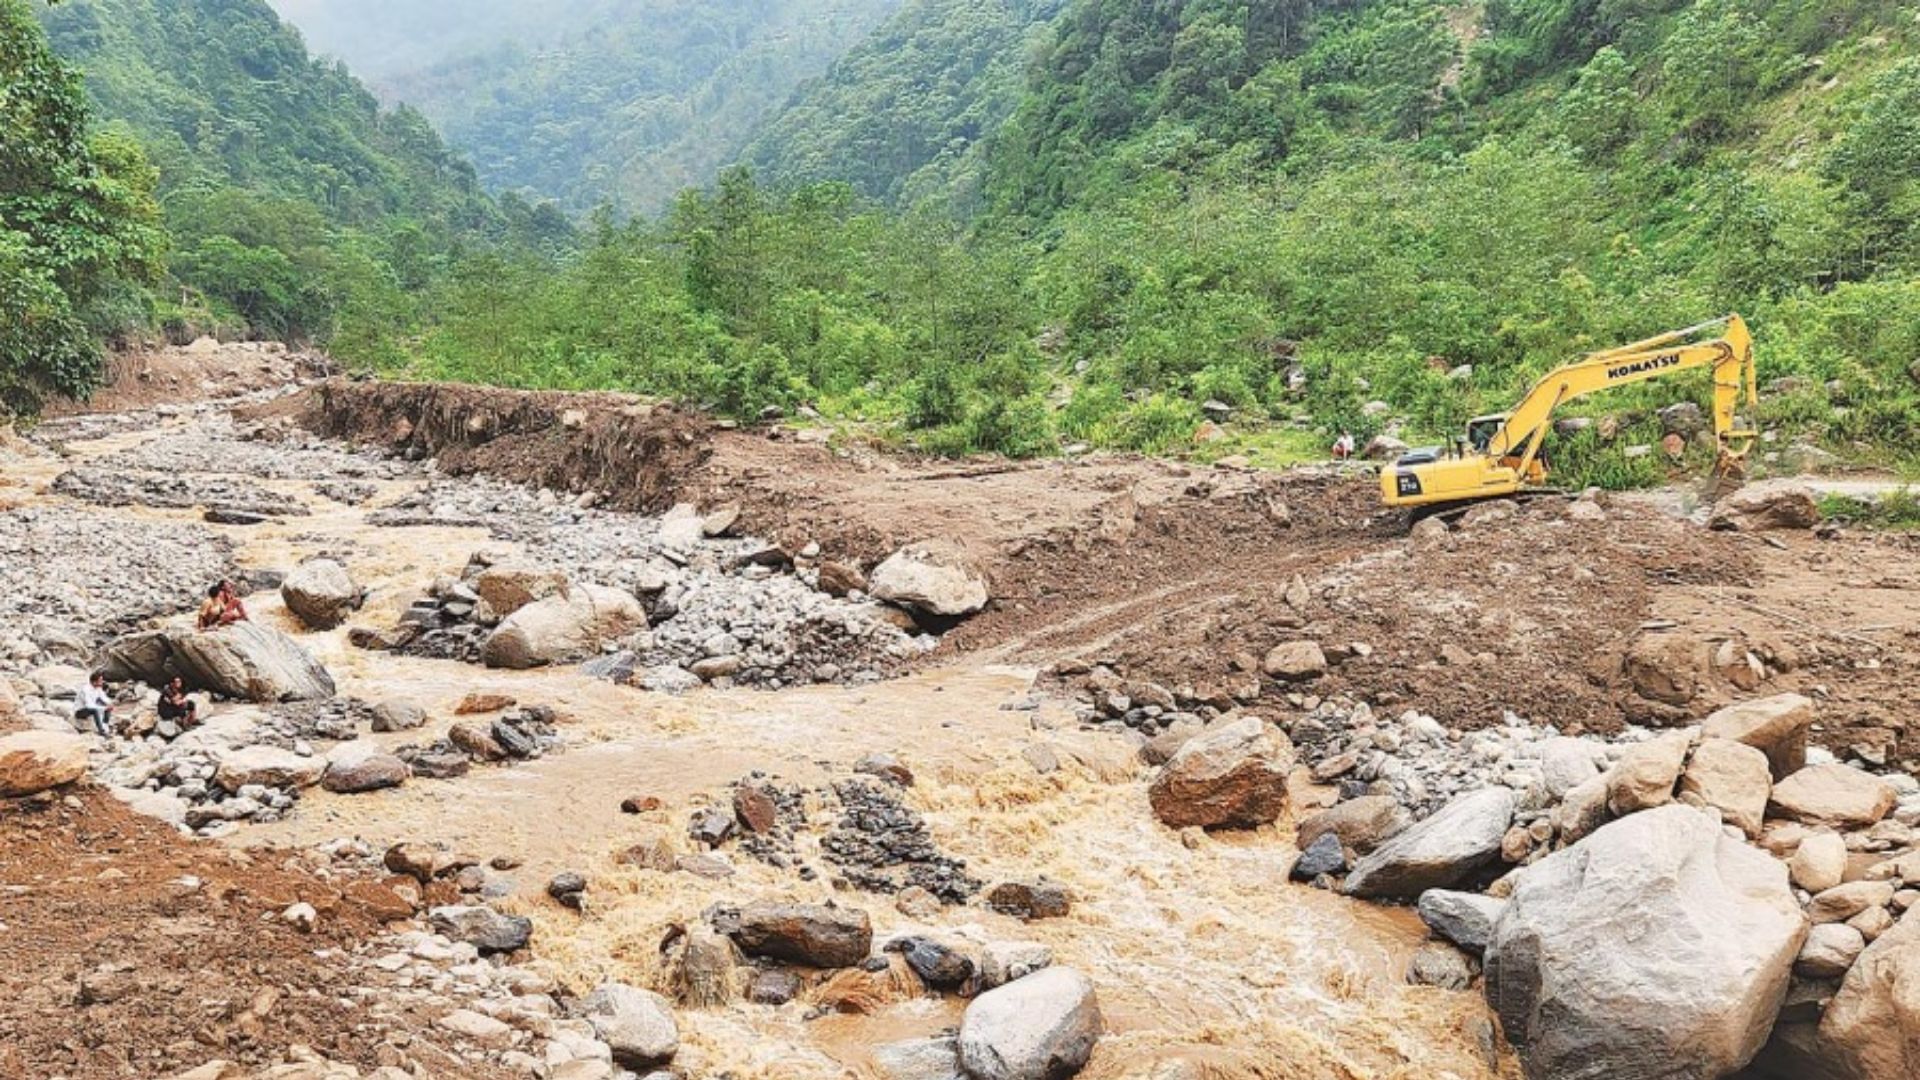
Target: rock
(1294, 661)
(1001, 962)
(1437, 963)
(636, 1024)
(1565, 764)
(1382, 448)
(839, 579)
(811, 934)
(246, 661)
(1871, 1030)
(396, 714)
(1232, 775)
(507, 587)
(1042, 1027)
(1362, 824)
(1830, 949)
(569, 888)
(1665, 667)
(475, 739)
(939, 966)
(1733, 778)
(1776, 726)
(1039, 900)
(320, 593)
(754, 808)
(563, 628)
(1819, 863)
(1454, 845)
(933, 576)
(360, 766)
(1323, 856)
(1844, 901)
(476, 703)
(1464, 918)
(301, 917)
(1785, 506)
(482, 927)
(1646, 773)
(1583, 810)
(919, 1059)
(1658, 946)
(886, 767)
(711, 826)
(1838, 796)
(267, 766)
(774, 988)
(1682, 418)
(35, 761)
(476, 1027)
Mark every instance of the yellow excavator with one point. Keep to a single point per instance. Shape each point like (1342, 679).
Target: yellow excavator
(1501, 454)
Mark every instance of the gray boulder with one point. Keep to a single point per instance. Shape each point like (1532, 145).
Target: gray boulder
(563, 628)
(320, 593)
(1457, 843)
(1042, 1027)
(362, 766)
(636, 1024)
(1464, 918)
(933, 576)
(396, 714)
(482, 927)
(1231, 775)
(267, 766)
(1657, 947)
(246, 661)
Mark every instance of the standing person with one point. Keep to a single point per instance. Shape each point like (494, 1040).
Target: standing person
(176, 706)
(95, 705)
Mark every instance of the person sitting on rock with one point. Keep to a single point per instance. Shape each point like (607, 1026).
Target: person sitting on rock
(176, 706)
(223, 607)
(95, 705)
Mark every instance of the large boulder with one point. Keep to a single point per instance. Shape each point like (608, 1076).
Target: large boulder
(1295, 661)
(933, 576)
(1451, 847)
(1658, 947)
(563, 628)
(1835, 795)
(246, 661)
(1362, 823)
(1232, 775)
(34, 761)
(811, 934)
(1767, 506)
(1042, 1027)
(361, 766)
(320, 593)
(1730, 777)
(507, 587)
(1646, 773)
(1776, 726)
(268, 766)
(1872, 1028)
(636, 1024)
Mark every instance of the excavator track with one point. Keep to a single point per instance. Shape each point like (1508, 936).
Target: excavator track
(1451, 512)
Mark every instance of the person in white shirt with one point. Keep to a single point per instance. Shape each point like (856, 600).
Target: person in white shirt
(95, 705)
(1343, 446)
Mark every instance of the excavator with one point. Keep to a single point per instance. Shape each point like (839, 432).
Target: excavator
(1500, 457)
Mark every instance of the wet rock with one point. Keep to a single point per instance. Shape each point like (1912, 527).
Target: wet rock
(246, 661)
(1658, 945)
(1839, 796)
(879, 844)
(636, 1024)
(482, 927)
(562, 629)
(35, 761)
(754, 809)
(811, 934)
(1646, 773)
(932, 576)
(397, 714)
(438, 765)
(1001, 962)
(1455, 845)
(1732, 778)
(1788, 506)
(1437, 963)
(1776, 726)
(267, 766)
(1361, 824)
(358, 767)
(320, 593)
(1466, 919)
(1029, 901)
(475, 739)
(1231, 776)
(1830, 949)
(774, 988)
(1323, 856)
(919, 1059)
(569, 888)
(940, 967)
(477, 703)
(1042, 1027)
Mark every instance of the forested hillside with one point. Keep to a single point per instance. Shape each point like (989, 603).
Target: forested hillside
(297, 207)
(590, 101)
(905, 116)
(1325, 215)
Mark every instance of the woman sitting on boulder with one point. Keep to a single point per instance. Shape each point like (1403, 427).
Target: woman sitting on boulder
(223, 608)
(176, 706)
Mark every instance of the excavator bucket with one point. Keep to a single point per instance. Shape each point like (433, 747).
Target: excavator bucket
(1729, 475)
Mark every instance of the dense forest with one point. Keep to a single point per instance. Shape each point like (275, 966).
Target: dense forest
(591, 101)
(1017, 226)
